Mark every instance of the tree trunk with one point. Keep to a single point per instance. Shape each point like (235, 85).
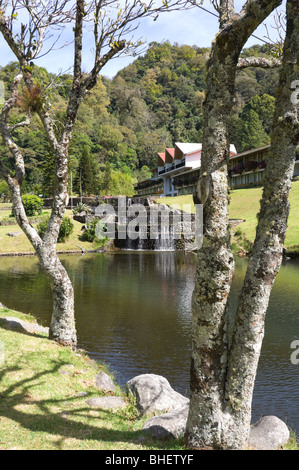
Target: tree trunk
(266, 256)
(62, 327)
(215, 262)
(212, 422)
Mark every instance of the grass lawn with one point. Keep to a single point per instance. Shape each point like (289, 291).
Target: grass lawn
(20, 244)
(40, 403)
(245, 204)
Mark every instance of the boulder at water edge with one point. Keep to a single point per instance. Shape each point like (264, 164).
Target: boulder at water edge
(155, 395)
(168, 425)
(269, 433)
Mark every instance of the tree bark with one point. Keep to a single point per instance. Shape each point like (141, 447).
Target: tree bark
(209, 423)
(266, 256)
(62, 326)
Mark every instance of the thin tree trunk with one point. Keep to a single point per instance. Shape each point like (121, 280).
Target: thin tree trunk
(62, 327)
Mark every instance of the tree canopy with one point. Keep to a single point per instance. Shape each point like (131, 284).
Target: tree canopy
(150, 104)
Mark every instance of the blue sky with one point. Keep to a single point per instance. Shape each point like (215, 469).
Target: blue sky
(193, 27)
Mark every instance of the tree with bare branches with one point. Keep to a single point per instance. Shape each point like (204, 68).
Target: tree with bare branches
(226, 347)
(26, 26)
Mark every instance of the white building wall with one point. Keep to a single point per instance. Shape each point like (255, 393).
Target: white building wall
(193, 160)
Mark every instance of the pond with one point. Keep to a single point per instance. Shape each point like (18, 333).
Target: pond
(133, 311)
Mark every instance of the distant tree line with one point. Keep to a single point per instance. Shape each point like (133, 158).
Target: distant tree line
(124, 122)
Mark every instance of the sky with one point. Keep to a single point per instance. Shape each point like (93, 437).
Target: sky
(192, 27)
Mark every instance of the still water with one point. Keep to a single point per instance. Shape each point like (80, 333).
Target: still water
(133, 311)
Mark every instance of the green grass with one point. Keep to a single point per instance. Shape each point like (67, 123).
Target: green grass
(245, 204)
(21, 244)
(40, 408)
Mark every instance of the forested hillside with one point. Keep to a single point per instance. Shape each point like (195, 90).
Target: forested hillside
(124, 122)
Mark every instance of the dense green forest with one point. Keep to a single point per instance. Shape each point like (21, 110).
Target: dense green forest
(122, 124)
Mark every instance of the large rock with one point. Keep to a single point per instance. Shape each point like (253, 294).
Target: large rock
(155, 395)
(14, 323)
(168, 425)
(104, 382)
(269, 433)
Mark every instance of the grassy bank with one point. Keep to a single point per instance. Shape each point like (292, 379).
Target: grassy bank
(41, 407)
(245, 204)
(20, 244)
(43, 393)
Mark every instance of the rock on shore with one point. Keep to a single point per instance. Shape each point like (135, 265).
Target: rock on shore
(155, 395)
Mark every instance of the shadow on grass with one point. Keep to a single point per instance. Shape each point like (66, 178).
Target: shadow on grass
(64, 424)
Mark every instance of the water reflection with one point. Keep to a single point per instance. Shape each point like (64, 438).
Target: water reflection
(133, 311)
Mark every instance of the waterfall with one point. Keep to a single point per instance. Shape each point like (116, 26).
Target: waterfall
(158, 228)
(166, 241)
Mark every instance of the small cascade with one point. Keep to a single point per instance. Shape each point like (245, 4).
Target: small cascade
(166, 241)
(158, 229)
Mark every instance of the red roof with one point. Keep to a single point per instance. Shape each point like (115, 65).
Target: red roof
(170, 151)
(162, 156)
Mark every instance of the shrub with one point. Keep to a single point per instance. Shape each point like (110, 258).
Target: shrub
(89, 234)
(66, 229)
(32, 204)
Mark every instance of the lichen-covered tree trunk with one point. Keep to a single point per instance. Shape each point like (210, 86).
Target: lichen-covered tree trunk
(266, 257)
(62, 326)
(215, 262)
(214, 420)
